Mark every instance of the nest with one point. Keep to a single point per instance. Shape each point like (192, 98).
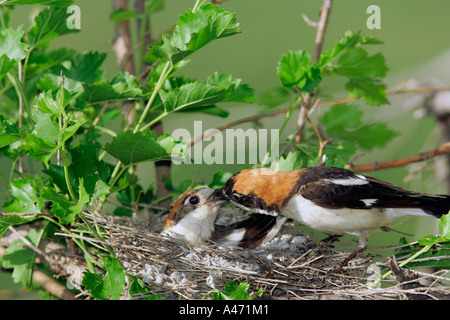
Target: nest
(289, 267)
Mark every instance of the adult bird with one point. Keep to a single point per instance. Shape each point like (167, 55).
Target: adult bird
(332, 200)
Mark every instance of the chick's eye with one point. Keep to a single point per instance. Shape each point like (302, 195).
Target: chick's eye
(194, 200)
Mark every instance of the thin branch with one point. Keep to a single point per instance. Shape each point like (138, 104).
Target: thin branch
(321, 27)
(374, 166)
(320, 36)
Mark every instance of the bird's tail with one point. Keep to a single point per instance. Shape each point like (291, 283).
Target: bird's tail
(436, 206)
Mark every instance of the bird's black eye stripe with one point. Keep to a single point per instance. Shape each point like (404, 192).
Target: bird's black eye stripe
(194, 200)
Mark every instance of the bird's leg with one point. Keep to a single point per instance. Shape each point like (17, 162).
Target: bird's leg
(363, 242)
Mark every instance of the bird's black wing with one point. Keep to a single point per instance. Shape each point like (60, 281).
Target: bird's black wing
(339, 188)
(256, 227)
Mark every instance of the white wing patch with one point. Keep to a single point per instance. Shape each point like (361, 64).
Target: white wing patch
(350, 181)
(369, 202)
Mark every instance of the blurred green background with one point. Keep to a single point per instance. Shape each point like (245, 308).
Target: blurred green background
(416, 46)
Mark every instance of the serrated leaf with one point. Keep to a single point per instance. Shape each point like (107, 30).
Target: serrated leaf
(349, 40)
(373, 91)
(38, 148)
(25, 197)
(345, 121)
(56, 173)
(12, 46)
(123, 87)
(235, 89)
(21, 259)
(49, 23)
(355, 62)
(85, 67)
(132, 148)
(196, 29)
(294, 69)
(292, 161)
(108, 286)
(62, 207)
(191, 95)
(233, 291)
(85, 164)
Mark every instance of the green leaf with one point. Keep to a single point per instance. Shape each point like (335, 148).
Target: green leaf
(38, 148)
(21, 259)
(9, 219)
(25, 197)
(349, 40)
(444, 226)
(196, 29)
(274, 97)
(292, 161)
(85, 164)
(42, 2)
(123, 87)
(6, 139)
(49, 23)
(373, 91)
(355, 62)
(108, 286)
(132, 148)
(191, 95)
(6, 65)
(85, 67)
(11, 46)
(233, 291)
(234, 88)
(294, 69)
(345, 121)
(45, 127)
(62, 207)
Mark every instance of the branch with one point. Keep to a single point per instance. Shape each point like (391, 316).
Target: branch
(321, 27)
(374, 166)
(320, 36)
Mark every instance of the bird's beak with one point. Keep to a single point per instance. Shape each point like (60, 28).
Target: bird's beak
(217, 197)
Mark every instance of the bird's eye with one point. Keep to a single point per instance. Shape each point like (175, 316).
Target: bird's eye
(194, 200)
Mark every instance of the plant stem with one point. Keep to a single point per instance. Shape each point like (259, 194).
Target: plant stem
(20, 91)
(164, 74)
(197, 5)
(157, 119)
(289, 113)
(387, 274)
(90, 261)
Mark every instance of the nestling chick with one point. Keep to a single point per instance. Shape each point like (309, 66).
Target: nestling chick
(332, 200)
(192, 216)
(194, 213)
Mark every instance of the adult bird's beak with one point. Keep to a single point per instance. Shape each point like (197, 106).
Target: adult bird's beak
(217, 196)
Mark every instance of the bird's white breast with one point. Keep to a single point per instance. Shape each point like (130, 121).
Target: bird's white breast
(196, 226)
(342, 221)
